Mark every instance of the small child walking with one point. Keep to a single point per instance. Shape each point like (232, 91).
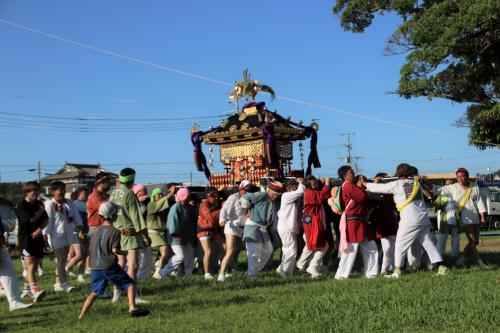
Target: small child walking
(104, 247)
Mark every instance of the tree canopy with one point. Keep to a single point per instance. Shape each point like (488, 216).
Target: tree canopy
(452, 51)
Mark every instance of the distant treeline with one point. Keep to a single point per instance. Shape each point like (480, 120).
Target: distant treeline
(11, 191)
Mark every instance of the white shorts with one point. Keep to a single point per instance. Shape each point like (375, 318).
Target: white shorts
(231, 229)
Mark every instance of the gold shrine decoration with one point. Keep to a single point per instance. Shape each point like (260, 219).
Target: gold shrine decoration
(245, 150)
(241, 150)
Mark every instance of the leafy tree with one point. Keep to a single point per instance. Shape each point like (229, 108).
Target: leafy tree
(453, 52)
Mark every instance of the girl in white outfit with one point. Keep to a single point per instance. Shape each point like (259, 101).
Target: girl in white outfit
(232, 218)
(64, 228)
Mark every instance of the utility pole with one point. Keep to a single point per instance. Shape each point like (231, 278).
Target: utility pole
(38, 171)
(349, 159)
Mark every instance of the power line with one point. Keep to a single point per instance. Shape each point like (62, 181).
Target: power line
(78, 125)
(431, 159)
(204, 78)
(84, 130)
(78, 100)
(107, 119)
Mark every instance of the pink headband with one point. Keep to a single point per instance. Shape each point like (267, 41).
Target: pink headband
(182, 194)
(137, 188)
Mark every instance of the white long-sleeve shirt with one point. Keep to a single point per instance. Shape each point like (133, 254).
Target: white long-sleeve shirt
(232, 211)
(288, 214)
(475, 205)
(416, 211)
(61, 225)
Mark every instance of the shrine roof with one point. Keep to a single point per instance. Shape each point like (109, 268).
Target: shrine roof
(247, 125)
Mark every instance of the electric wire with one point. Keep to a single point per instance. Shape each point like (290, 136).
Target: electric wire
(227, 84)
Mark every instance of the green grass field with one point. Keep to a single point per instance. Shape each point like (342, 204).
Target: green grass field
(466, 300)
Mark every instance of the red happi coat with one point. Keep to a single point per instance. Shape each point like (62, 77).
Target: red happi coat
(208, 219)
(357, 228)
(313, 217)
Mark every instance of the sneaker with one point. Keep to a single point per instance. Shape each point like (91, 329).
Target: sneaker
(88, 271)
(227, 275)
(394, 275)
(208, 276)
(81, 278)
(116, 296)
(16, 305)
(26, 292)
(139, 312)
(281, 273)
(221, 278)
(384, 272)
(157, 275)
(314, 274)
(139, 300)
(40, 272)
(37, 296)
(481, 264)
(443, 270)
(157, 263)
(58, 287)
(67, 288)
(460, 261)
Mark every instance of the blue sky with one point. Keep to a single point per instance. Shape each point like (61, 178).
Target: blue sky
(297, 47)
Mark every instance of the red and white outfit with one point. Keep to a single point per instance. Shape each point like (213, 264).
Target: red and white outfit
(314, 222)
(357, 234)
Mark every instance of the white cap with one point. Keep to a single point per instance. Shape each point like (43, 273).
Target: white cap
(108, 209)
(245, 183)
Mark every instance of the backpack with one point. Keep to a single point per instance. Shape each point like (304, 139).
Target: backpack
(335, 201)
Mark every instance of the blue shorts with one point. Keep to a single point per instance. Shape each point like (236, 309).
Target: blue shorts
(99, 279)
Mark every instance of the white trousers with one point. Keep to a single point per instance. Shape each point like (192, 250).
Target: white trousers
(258, 255)
(455, 242)
(312, 259)
(183, 255)
(8, 277)
(145, 263)
(288, 251)
(407, 234)
(388, 246)
(369, 253)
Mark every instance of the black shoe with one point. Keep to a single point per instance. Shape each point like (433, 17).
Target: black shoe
(139, 312)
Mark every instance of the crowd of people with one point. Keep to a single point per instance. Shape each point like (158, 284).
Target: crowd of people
(114, 234)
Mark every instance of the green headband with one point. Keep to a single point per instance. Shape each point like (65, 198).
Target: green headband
(126, 179)
(154, 193)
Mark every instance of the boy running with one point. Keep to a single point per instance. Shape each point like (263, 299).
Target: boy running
(104, 247)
